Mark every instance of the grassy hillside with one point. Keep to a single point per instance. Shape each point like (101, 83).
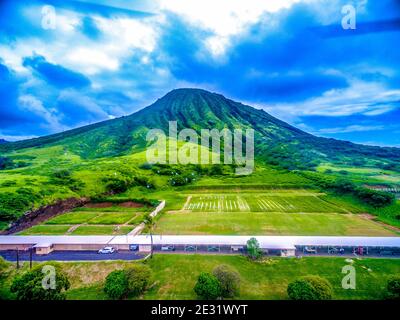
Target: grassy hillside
(110, 157)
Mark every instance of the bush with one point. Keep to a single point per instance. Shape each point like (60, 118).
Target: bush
(14, 204)
(207, 287)
(3, 268)
(116, 285)
(229, 280)
(138, 278)
(29, 286)
(253, 249)
(310, 288)
(393, 287)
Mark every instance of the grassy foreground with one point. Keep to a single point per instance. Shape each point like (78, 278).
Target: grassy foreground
(268, 223)
(173, 276)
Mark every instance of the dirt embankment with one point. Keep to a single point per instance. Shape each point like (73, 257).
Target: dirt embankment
(44, 213)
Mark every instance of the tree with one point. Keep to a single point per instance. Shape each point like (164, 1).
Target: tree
(253, 248)
(229, 280)
(138, 278)
(207, 287)
(116, 285)
(393, 287)
(310, 288)
(32, 284)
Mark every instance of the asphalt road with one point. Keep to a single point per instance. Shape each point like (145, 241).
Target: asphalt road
(11, 255)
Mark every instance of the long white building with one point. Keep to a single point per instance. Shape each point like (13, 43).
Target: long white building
(287, 244)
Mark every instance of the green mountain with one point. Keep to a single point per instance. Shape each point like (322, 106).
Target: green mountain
(109, 158)
(276, 141)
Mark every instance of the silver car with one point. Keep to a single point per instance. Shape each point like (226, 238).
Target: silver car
(107, 250)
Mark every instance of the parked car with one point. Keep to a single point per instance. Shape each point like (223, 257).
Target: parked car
(310, 250)
(190, 248)
(133, 247)
(213, 249)
(167, 248)
(107, 250)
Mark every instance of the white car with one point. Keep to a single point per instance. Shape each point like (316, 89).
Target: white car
(107, 250)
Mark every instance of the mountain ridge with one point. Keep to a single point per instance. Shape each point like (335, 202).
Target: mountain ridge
(200, 109)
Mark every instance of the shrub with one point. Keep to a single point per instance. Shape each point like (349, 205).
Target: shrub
(29, 286)
(207, 287)
(310, 288)
(393, 287)
(116, 285)
(3, 268)
(253, 248)
(13, 204)
(229, 280)
(138, 278)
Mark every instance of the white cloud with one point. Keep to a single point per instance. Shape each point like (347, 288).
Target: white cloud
(29, 103)
(348, 129)
(223, 18)
(367, 98)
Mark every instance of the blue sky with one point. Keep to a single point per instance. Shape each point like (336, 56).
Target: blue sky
(105, 59)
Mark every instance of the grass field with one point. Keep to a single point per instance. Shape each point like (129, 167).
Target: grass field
(260, 202)
(174, 276)
(46, 230)
(268, 223)
(273, 212)
(101, 230)
(91, 221)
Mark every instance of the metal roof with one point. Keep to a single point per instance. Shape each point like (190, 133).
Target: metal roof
(277, 242)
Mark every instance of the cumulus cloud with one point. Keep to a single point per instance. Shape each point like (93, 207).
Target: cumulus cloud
(108, 59)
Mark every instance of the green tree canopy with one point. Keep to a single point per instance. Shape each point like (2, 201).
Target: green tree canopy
(310, 288)
(207, 287)
(253, 248)
(229, 280)
(138, 276)
(116, 285)
(393, 287)
(36, 284)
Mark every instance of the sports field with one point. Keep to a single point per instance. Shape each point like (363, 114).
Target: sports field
(260, 202)
(274, 212)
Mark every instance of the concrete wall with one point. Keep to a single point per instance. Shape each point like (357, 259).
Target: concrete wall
(15, 246)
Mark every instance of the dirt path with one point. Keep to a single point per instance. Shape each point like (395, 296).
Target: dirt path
(73, 228)
(186, 203)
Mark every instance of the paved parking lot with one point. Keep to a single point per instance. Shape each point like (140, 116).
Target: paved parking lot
(11, 255)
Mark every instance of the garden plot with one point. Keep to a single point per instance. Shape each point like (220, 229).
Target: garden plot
(217, 203)
(251, 202)
(267, 203)
(93, 220)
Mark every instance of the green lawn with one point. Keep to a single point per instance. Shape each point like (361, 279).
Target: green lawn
(268, 223)
(261, 202)
(112, 218)
(101, 230)
(174, 276)
(46, 230)
(73, 218)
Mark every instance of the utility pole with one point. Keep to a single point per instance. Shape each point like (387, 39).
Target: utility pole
(30, 257)
(17, 258)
